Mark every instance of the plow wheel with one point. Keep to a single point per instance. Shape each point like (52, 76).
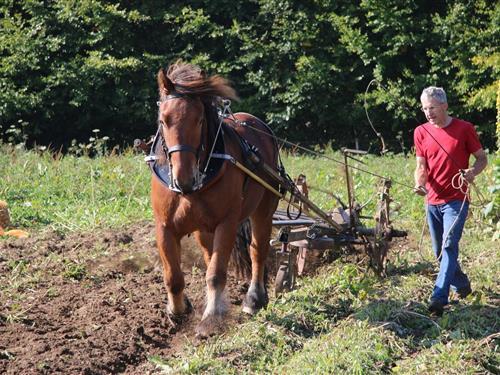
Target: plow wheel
(379, 244)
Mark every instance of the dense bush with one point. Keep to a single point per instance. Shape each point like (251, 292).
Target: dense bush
(68, 67)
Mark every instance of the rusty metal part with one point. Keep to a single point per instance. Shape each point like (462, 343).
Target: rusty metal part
(287, 270)
(383, 233)
(301, 184)
(301, 260)
(297, 237)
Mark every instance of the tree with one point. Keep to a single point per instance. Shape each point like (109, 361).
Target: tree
(69, 67)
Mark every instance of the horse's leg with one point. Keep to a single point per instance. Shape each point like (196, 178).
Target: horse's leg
(216, 277)
(261, 221)
(206, 241)
(170, 250)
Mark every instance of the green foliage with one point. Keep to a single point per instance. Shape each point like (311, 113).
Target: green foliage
(69, 67)
(459, 357)
(491, 210)
(332, 353)
(468, 58)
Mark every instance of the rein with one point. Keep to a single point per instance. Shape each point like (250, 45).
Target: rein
(225, 110)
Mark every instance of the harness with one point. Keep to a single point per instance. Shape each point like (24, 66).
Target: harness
(214, 166)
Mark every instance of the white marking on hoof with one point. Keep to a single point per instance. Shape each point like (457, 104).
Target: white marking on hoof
(255, 290)
(217, 304)
(176, 304)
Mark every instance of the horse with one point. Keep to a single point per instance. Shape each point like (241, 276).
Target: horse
(190, 125)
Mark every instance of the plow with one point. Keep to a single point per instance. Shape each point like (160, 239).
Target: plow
(312, 229)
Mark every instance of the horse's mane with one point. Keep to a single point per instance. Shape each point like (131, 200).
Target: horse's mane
(189, 79)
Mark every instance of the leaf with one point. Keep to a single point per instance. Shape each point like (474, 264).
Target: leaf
(488, 208)
(18, 233)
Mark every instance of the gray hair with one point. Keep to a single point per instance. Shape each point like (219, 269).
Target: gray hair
(437, 93)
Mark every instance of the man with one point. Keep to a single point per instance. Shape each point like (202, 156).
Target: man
(443, 147)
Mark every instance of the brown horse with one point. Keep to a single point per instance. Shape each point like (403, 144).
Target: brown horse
(189, 123)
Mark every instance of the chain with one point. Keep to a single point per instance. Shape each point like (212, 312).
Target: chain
(225, 110)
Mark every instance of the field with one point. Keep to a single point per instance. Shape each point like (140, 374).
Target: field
(83, 294)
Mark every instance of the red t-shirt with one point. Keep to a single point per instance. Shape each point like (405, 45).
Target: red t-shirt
(460, 140)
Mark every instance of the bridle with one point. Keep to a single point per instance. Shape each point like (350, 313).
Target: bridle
(216, 151)
(182, 148)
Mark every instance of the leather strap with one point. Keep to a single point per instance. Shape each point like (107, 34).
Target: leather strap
(180, 148)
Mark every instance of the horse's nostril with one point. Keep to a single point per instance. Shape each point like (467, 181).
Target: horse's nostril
(184, 188)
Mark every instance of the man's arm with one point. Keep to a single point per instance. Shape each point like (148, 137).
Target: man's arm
(420, 176)
(479, 165)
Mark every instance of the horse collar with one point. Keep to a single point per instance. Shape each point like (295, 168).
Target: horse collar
(159, 163)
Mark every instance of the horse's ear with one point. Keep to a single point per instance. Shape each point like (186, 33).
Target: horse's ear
(165, 85)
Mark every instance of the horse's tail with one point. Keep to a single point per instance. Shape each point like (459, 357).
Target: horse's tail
(241, 253)
(241, 250)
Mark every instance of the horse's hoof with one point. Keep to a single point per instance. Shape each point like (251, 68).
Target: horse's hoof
(249, 310)
(176, 319)
(254, 301)
(210, 326)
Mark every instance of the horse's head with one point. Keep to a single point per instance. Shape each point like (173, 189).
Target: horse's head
(184, 92)
(181, 117)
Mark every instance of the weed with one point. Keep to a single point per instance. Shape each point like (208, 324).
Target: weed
(15, 314)
(18, 266)
(52, 293)
(350, 348)
(75, 271)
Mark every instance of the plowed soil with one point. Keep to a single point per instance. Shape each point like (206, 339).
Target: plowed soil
(95, 303)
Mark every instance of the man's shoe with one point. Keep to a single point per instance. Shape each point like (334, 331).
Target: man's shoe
(436, 308)
(464, 292)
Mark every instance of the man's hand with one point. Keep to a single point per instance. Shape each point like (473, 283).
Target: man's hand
(420, 190)
(469, 174)
(479, 165)
(420, 176)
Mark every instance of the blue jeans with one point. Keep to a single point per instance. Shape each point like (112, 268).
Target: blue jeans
(441, 218)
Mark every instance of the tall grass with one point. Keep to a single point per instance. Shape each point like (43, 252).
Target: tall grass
(71, 193)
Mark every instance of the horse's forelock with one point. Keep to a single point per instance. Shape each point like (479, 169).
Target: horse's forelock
(191, 80)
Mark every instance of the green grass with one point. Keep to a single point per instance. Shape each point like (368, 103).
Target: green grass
(338, 322)
(344, 320)
(73, 193)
